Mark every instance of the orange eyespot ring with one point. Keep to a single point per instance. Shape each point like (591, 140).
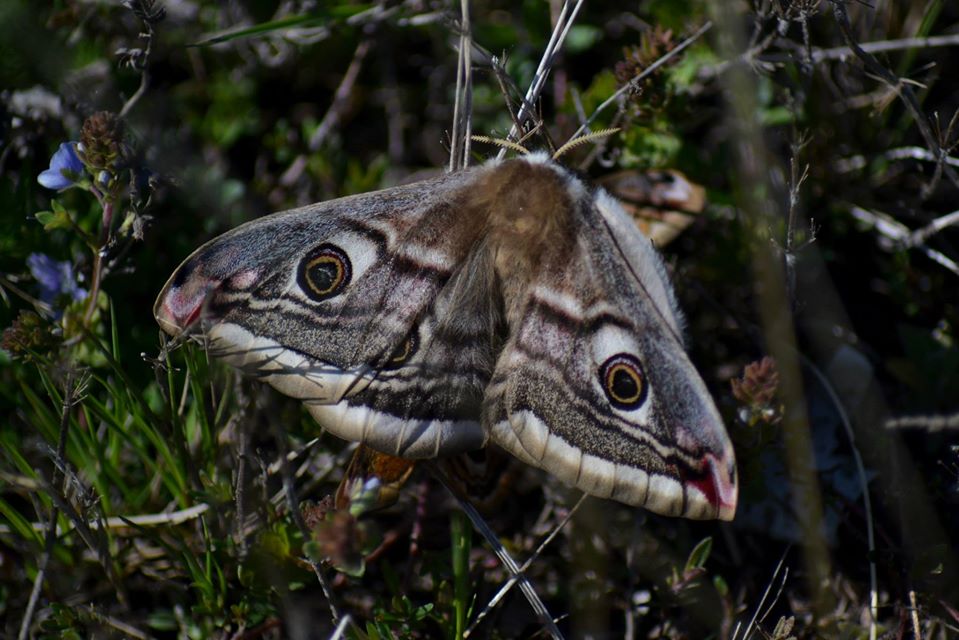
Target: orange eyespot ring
(403, 352)
(324, 272)
(623, 381)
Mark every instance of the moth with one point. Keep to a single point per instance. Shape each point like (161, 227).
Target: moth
(507, 303)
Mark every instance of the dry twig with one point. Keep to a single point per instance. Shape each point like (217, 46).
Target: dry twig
(897, 235)
(518, 575)
(341, 97)
(897, 85)
(73, 392)
(563, 24)
(495, 600)
(632, 84)
(463, 107)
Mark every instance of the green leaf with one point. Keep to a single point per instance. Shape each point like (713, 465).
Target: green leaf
(304, 21)
(685, 72)
(582, 37)
(721, 586)
(18, 523)
(56, 219)
(377, 631)
(162, 620)
(776, 117)
(699, 554)
(461, 538)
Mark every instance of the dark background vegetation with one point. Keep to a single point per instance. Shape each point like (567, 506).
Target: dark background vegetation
(862, 325)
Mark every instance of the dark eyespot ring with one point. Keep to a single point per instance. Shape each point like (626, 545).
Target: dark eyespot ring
(324, 272)
(623, 381)
(403, 352)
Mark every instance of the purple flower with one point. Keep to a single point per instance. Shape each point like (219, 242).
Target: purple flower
(56, 279)
(65, 168)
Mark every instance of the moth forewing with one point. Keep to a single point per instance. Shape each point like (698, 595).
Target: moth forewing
(340, 288)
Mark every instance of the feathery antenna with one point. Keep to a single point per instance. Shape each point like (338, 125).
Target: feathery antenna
(589, 137)
(505, 144)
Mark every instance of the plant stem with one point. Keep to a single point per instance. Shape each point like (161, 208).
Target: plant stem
(461, 539)
(98, 257)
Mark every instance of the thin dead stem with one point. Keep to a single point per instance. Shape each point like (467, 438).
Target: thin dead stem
(535, 602)
(341, 98)
(172, 518)
(632, 84)
(864, 487)
(757, 57)
(73, 389)
(796, 179)
(757, 619)
(563, 24)
(879, 46)
(495, 600)
(463, 107)
(123, 627)
(900, 88)
(139, 60)
(240, 491)
(858, 162)
(914, 615)
(895, 235)
(293, 504)
(929, 424)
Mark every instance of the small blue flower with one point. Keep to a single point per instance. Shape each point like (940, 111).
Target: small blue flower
(65, 168)
(55, 278)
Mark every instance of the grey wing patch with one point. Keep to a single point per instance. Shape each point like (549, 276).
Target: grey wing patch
(637, 258)
(319, 301)
(595, 387)
(424, 401)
